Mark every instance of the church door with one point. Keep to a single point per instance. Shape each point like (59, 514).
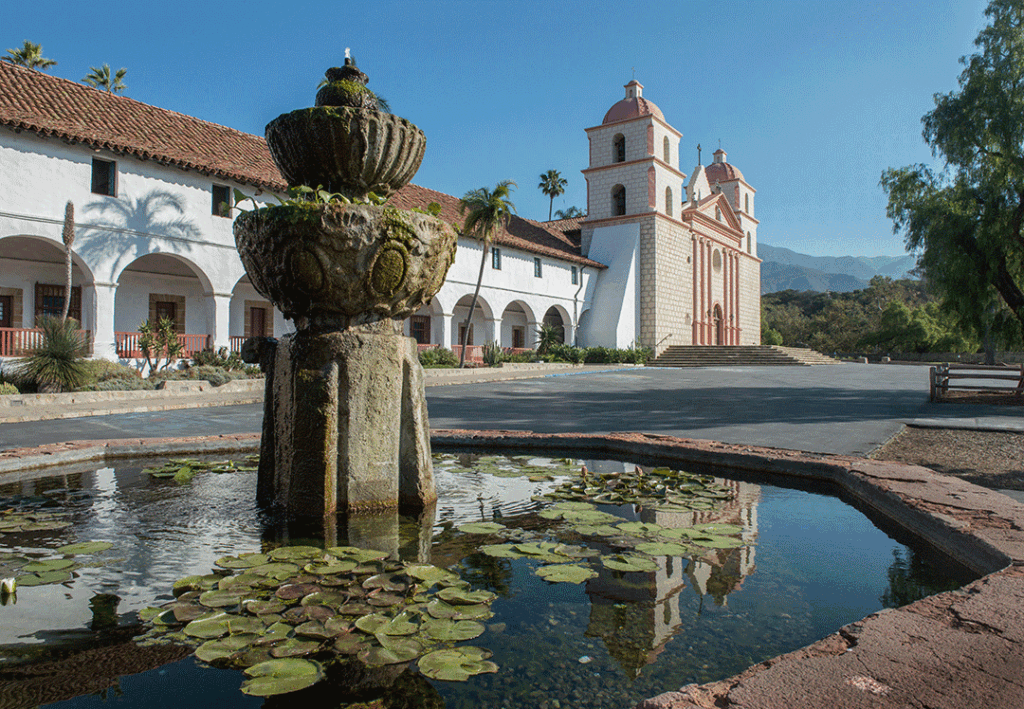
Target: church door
(719, 326)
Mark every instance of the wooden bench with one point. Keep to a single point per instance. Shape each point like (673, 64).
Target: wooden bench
(944, 377)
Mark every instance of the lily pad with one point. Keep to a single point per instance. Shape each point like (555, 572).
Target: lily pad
(221, 599)
(243, 561)
(379, 624)
(262, 607)
(293, 647)
(440, 609)
(357, 554)
(716, 528)
(718, 542)
(566, 573)
(641, 529)
(447, 630)
(296, 553)
(45, 565)
(195, 583)
(481, 527)
(84, 548)
(502, 551)
(215, 626)
(664, 548)
(392, 651)
(629, 563)
(387, 582)
(462, 597)
(597, 530)
(430, 574)
(44, 578)
(281, 676)
(350, 643)
(221, 648)
(327, 567)
(456, 664)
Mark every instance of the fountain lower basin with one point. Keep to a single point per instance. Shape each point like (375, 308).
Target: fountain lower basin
(915, 496)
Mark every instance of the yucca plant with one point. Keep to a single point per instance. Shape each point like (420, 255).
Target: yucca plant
(58, 363)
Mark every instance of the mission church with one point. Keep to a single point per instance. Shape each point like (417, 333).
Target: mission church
(660, 259)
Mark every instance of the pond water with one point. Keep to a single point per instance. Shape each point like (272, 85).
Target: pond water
(590, 604)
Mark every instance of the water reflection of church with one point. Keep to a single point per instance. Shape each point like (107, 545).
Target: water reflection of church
(636, 614)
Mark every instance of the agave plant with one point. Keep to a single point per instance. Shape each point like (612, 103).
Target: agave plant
(58, 363)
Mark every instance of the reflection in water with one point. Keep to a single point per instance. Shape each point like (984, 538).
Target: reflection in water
(611, 641)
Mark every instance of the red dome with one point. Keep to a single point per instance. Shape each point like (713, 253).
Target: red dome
(631, 108)
(722, 172)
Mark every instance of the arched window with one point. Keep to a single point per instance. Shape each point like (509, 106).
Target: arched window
(668, 201)
(668, 151)
(746, 203)
(618, 200)
(749, 243)
(619, 148)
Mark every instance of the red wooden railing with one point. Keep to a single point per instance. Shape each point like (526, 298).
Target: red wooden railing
(19, 341)
(128, 344)
(235, 342)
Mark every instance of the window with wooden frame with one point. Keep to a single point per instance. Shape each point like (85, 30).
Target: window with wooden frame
(50, 301)
(221, 201)
(419, 329)
(104, 177)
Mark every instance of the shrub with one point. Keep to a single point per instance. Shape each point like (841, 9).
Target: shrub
(493, 354)
(8, 388)
(231, 361)
(103, 370)
(159, 340)
(566, 353)
(438, 357)
(138, 384)
(771, 336)
(522, 357)
(215, 375)
(58, 363)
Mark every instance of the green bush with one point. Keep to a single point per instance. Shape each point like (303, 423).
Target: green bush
(58, 363)
(119, 385)
(217, 376)
(522, 357)
(493, 354)
(103, 370)
(8, 388)
(231, 361)
(771, 336)
(438, 357)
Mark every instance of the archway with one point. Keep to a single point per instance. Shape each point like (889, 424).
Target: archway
(554, 318)
(164, 286)
(515, 326)
(32, 283)
(481, 330)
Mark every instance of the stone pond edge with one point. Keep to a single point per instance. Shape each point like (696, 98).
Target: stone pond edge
(961, 648)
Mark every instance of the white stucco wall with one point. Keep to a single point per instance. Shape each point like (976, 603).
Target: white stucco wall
(612, 320)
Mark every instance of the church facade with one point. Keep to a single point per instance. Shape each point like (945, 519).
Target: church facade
(681, 253)
(659, 259)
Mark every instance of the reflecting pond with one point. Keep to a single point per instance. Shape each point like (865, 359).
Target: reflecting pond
(534, 583)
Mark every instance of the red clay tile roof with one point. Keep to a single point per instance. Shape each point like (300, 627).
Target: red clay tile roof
(53, 107)
(519, 233)
(570, 224)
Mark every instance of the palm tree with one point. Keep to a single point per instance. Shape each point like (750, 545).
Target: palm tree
(100, 78)
(552, 184)
(487, 210)
(68, 235)
(570, 213)
(29, 56)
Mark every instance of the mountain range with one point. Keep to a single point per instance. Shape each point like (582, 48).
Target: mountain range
(783, 269)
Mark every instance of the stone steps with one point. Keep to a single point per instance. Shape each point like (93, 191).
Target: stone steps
(738, 356)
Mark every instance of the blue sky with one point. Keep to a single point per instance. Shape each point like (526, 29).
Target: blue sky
(811, 99)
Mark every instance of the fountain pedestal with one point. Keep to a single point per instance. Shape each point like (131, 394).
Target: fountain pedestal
(350, 430)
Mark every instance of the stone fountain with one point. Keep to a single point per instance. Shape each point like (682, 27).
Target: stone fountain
(345, 426)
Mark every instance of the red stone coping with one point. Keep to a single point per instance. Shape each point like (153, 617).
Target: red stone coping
(963, 648)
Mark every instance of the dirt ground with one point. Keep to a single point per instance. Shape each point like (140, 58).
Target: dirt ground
(992, 459)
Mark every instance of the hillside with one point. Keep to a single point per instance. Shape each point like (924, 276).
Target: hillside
(784, 269)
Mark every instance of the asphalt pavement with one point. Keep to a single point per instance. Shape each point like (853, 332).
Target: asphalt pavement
(845, 408)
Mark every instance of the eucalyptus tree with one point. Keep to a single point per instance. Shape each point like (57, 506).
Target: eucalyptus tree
(552, 184)
(484, 212)
(966, 221)
(29, 56)
(101, 78)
